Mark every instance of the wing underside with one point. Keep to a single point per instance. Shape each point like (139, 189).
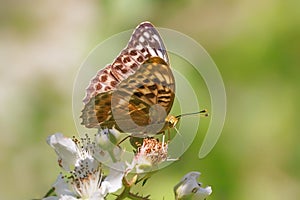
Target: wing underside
(139, 104)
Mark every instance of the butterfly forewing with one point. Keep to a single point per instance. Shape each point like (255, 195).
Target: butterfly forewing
(144, 43)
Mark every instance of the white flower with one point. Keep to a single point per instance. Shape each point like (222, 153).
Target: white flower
(71, 152)
(189, 189)
(149, 155)
(86, 180)
(79, 188)
(87, 184)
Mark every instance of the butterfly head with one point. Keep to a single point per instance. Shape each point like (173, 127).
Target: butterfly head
(172, 121)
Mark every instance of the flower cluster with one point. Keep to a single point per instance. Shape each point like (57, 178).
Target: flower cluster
(94, 167)
(97, 166)
(85, 179)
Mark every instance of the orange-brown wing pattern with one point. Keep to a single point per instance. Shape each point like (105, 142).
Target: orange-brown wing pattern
(136, 90)
(143, 99)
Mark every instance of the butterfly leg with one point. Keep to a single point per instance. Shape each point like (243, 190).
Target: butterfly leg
(169, 134)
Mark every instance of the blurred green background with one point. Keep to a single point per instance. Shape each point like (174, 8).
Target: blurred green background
(255, 44)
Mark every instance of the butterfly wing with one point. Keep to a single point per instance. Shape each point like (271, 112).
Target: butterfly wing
(131, 71)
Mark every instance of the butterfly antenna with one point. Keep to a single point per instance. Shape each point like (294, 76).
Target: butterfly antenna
(202, 113)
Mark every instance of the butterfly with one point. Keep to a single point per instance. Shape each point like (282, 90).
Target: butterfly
(136, 92)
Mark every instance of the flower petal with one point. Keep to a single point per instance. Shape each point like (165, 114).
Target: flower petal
(113, 181)
(51, 198)
(65, 148)
(67, 197)
(62, 187)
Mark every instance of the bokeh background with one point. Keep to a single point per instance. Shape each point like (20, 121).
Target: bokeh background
(255, 44)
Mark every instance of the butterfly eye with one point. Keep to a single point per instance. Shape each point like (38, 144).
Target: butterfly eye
(172, 121)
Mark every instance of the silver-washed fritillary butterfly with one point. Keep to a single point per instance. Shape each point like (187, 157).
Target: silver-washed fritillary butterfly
(135, 93)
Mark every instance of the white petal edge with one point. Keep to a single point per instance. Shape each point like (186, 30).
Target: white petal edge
(65, 148)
